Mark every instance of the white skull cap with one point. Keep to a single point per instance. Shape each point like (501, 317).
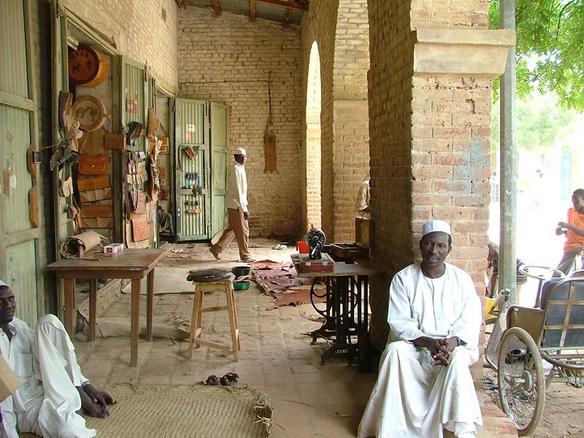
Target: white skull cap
(240, 151)
(3, 284)
(436, 225)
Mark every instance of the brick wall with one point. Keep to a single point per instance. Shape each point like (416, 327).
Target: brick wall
(351, 163)
(429, 144)
(144, 30)
(390, 107)
(351, 114)
(351, 51)
(319, 24)
(340, 28)
(228, 59)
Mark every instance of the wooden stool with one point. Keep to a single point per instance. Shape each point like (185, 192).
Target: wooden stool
(195, 338)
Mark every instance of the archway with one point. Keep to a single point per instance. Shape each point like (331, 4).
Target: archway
(351, 114)
(313, 141)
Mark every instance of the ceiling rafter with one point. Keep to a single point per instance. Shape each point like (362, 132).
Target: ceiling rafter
(292, 4)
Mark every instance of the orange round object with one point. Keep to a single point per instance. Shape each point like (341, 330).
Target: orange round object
(87, 67)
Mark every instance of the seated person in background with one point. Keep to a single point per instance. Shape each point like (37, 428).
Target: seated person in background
(574, 231)
(52, 387)
(165, 227)
(363, 198)
(424, 382)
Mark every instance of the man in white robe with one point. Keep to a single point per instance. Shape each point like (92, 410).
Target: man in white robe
(52, 387)
(424, 382)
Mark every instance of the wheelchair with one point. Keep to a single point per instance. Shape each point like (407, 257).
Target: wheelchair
(531, 346)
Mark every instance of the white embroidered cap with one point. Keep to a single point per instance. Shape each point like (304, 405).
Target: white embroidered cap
(240, 151)
(436, 225)
(3, 284)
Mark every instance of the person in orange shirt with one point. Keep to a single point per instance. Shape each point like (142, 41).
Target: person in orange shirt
(574, 231)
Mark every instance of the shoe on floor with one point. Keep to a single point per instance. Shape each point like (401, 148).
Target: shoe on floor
(247, 260)
(215, 253)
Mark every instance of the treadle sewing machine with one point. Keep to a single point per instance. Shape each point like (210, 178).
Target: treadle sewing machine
(346, 298)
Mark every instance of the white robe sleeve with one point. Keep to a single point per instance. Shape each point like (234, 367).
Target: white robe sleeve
(467, 326)
(242, 189)
(399, 315)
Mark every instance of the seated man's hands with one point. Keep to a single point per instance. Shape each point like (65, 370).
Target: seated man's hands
(94, 402)
(440, 349)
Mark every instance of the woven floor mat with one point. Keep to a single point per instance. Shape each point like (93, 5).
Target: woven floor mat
(185, 411)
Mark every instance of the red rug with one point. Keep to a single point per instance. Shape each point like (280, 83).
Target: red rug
(281, 281)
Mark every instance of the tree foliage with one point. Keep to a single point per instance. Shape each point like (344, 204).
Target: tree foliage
(550, 49)
(541, 125)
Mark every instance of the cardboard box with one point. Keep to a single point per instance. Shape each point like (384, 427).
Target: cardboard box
(9, 382)
(113, 248)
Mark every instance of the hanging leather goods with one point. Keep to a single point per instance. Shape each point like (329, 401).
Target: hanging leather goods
(114, 141)
(96, 182)
(66, 187)
(33, 207)
(270, 136)
(93, 164)
(96, 210)
(140, 228)
(90, 112)
(141, 203)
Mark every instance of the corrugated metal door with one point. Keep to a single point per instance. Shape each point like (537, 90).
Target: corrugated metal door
(191, 158)
(134, 108)
(219, 160)
(19, 240)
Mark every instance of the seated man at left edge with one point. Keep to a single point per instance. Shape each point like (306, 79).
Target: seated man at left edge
(52, 389)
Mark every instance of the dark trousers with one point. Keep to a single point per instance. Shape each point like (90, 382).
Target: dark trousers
(568, 260)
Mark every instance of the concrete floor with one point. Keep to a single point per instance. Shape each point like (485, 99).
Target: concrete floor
(309, 400)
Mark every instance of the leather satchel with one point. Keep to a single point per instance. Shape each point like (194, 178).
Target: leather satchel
(140, 228)
(93, 164)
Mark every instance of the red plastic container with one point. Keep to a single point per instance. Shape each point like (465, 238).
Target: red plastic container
(302, 247)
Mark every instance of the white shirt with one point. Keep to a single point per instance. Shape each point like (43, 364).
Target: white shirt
(440, 307)
(18, 353)
(236, 193)
(47, 356)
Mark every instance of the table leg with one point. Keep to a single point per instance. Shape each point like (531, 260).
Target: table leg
(135, 322)
(92, 308)
(149, 304)
(69, 291)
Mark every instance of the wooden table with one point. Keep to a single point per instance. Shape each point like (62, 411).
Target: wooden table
(346, 291)
(131, 264)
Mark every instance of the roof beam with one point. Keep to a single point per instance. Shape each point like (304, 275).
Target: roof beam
(292, 4)
(252, 10)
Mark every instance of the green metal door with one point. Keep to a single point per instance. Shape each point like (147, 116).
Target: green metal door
(219, 160)
(191, 169)
(19, 238)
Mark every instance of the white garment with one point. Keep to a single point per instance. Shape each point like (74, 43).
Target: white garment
(236, 192)
(47, 401)
(412, 397)
(363, 197)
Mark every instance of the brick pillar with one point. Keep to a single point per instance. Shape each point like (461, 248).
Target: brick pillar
(430, 102)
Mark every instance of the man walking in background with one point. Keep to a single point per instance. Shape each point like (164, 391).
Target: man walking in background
(237, 210)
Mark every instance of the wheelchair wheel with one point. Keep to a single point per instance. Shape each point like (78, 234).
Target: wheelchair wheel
(521, 380)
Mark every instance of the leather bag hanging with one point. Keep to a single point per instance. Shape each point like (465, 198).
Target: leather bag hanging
(93, 164)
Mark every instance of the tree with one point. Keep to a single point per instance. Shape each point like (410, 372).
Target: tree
(550, 53)
(541, 125)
